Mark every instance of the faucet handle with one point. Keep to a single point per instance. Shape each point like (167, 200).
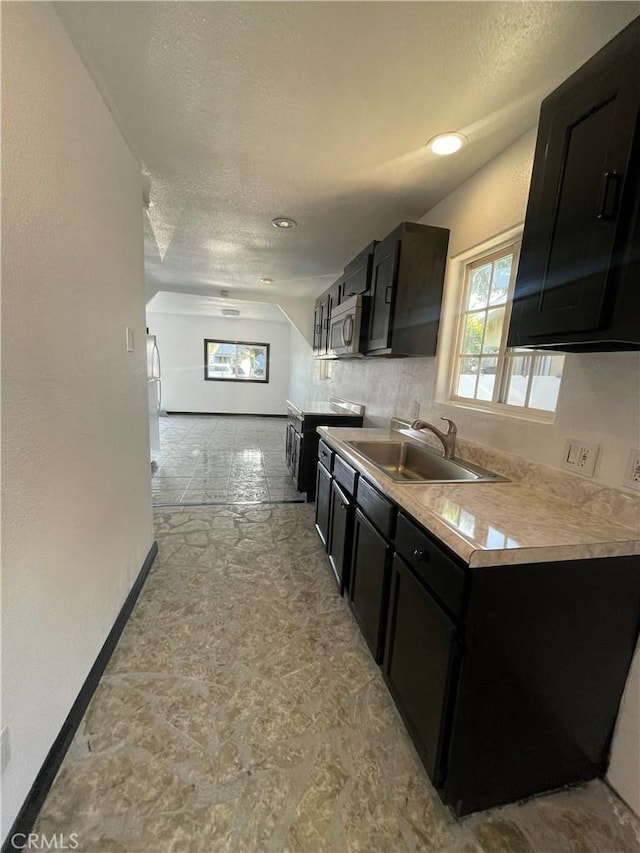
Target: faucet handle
(453, 429)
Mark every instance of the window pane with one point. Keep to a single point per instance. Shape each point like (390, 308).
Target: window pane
(258, 361)
(467, 377)
(473, 329)
(480, 286)
(545, 384)
(500, 283)
(493, 334)
(527, 378)
(222, 360)
(487, 378)
(251, 362)
(237, 362)
(518, 380)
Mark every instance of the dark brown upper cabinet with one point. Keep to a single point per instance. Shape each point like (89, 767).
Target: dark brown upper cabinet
(578, 282)
(406, 290)
(318, 320)
(322, 318)
(357, 273)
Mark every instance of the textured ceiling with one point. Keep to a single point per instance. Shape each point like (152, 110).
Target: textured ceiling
(241, 111)
(212, 306)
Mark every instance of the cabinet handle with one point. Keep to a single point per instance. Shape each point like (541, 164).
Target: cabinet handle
(387, 294)
(610, 196)
(421, 556)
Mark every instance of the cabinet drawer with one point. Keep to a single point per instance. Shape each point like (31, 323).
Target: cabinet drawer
(435, 568)
(345, 475)
(377, 508)
(325, 455)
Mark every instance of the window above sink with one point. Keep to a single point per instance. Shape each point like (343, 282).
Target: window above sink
(481, 371)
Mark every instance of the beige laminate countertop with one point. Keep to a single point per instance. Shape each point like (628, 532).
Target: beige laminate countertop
(498, 523)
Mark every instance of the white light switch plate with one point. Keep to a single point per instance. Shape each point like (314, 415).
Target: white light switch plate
(632, 470)
(580, 456)
(128, 336)
(5, 747)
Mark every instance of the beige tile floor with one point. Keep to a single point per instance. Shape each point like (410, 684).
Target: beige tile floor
(241, 711)
(211, 459)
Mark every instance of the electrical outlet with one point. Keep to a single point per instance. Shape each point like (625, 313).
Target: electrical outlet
(415, 409)
(580, 456)
(5, 747)
(632, 470)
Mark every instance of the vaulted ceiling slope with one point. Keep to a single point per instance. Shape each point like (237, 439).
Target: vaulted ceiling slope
(242, 111)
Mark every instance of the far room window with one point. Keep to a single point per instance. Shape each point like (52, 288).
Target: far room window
(487, 374)
(236, 361)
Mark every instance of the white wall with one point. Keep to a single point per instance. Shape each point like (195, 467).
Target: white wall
(77, 519)
(600, 393)
(599, 398)
(184, 389)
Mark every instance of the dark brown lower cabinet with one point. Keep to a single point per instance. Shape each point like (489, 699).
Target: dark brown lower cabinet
(369, 583)
(303, 441)
(293, 449)
(547, 652)
(508, 677)
(323, 503)
(340, 535)
(420, 664)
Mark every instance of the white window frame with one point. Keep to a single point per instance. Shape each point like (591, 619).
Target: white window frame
(462, 266)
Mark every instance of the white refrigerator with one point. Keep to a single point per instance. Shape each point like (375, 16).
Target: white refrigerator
(154, 388)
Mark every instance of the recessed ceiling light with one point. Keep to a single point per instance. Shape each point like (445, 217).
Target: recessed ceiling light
(283, 222)
(447, 143)
(266, 280)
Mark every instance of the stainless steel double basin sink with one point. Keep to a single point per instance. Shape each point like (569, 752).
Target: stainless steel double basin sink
(408, 461)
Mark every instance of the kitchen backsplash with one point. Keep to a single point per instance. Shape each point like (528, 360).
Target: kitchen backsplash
(593, 406)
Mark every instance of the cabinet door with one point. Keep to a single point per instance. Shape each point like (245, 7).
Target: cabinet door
(357, 274)
(385, 264)
(369, 584)
(573, 239)
(323, 503)
(419, 663)
(324, 331)
(317, 329)
(289, 447)
(340, 535)
(357, 281)
(330, 300)
(295, 457)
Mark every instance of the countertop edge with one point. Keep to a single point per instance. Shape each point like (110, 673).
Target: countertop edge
(454, 540)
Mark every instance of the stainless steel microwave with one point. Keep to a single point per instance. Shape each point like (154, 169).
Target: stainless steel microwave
(347, 327)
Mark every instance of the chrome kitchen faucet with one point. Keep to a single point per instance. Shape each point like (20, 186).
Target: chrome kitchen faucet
(448, 438)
